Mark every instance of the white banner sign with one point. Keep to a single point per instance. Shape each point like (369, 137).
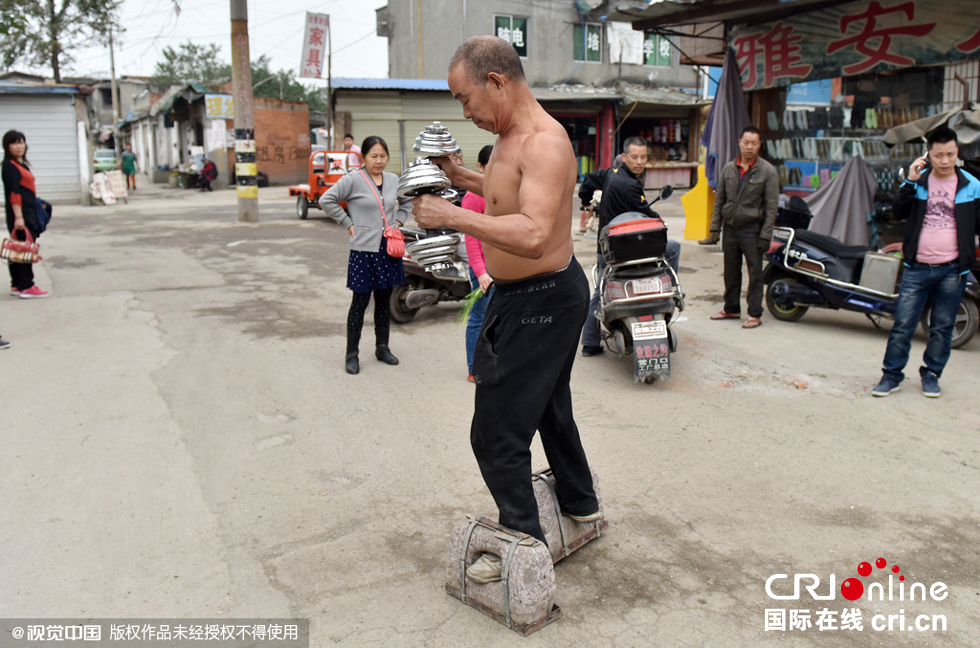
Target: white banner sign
(315, 45)
(219, 106)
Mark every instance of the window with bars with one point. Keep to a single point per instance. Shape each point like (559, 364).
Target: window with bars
(587, 43)
(512, 29)
(656, 50)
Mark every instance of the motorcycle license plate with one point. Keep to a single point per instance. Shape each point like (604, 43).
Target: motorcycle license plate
(646, 286)
(653, 330)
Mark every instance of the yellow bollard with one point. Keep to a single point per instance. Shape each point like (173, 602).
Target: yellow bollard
(698, 203)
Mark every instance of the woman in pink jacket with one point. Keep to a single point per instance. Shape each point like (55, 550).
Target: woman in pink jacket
(478, 269)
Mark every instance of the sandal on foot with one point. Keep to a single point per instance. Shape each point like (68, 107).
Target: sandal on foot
(723, 315)
(752, 322)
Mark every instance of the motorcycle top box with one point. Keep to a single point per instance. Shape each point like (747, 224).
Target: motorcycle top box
(642, 238)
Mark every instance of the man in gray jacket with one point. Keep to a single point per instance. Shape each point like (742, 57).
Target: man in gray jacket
(746, 199)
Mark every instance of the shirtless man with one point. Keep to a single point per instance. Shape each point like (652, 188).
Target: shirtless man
(523, 359)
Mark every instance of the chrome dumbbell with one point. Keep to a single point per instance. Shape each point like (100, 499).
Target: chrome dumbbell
(436, 141)
(437, 254)
(422, 177)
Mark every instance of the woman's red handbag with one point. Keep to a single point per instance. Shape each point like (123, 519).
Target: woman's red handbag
(395, 239)
(28, 251)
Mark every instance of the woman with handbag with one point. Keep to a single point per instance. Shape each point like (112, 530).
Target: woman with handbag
(376, 246)
(21, 205)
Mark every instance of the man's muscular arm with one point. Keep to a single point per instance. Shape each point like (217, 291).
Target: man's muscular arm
(525, 234)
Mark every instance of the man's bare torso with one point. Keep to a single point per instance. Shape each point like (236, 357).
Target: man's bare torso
(504, 182)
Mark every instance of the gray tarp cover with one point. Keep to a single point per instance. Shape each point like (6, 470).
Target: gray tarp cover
(841, 207)
(966, 123)
(728, 117)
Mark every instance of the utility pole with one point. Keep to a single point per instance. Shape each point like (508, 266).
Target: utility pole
(114, 89)
(241, 83)
(330, 122)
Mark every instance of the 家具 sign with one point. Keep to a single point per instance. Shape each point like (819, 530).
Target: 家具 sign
(315, 45)
(219, 106)
(855, 38)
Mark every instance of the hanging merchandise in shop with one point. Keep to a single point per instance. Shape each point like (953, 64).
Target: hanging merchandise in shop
(856, 38)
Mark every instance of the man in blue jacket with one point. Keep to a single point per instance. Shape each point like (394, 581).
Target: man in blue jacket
(622, 191)
(941, 209)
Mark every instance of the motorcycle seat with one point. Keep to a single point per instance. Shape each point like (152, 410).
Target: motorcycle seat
(831, 245)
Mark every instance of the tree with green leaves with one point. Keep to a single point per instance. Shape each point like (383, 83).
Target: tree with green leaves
(202, 64)
(191, 63)
(11, 23)
(46, 31)
(266, 83)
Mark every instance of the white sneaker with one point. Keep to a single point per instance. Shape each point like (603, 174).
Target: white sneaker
(485, 569)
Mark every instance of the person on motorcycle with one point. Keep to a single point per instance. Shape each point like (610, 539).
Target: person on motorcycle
(622, 191)
(941, 210)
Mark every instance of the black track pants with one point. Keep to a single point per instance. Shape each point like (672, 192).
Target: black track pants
(522, 366)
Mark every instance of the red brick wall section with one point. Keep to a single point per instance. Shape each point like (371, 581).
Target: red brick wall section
(282, 140)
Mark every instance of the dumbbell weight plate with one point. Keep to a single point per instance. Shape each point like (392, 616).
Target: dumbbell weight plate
(433, 242)
(412, 187)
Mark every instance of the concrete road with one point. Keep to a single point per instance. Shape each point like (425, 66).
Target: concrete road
(179, 439)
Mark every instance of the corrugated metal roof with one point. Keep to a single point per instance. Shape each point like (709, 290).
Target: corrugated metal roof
(576, 93)
(659, 96)
(7, 87)
(648, 14)
(390, 84)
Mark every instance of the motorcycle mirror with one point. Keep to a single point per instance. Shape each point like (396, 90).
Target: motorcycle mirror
(665, 192)
(901, 174)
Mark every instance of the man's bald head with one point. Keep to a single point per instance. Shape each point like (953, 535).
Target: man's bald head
(481, 55)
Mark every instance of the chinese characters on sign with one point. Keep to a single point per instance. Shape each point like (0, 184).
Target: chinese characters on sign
(869, 33)
(315, 40)
(826, 619)
(512, 29)
(780, 52)
(219, 106)
(853, 39)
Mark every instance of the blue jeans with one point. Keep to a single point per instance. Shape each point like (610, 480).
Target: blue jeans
(942, 286)
(475, 322)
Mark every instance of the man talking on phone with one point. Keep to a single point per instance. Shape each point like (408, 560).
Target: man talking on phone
(941, 209)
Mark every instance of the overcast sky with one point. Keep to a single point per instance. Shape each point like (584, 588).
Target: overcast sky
(275, 29)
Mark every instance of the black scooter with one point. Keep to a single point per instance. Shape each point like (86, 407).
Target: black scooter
(422, 287)
(807, 270)
(640, 294)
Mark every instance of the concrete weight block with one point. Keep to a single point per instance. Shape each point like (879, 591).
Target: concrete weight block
(524, 598)
(563, 534)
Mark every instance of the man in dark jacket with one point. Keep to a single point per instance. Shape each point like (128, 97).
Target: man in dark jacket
(941, 210)
(622, 191)
(745, 203)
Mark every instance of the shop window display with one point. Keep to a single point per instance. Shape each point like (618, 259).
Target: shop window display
(809, 144)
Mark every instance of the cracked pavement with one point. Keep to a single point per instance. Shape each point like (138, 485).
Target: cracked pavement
(180, 440)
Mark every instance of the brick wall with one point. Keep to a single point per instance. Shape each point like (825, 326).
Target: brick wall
(282, 139)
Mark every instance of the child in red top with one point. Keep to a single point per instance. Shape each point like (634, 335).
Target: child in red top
(478, 268)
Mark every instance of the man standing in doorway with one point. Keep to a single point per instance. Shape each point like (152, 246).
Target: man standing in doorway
(745, 204)
(622, 192)
(353, 161)
(523, 359)
(941, 210)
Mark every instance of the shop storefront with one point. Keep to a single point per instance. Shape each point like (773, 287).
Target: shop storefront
(889, 65)
(598, 121)
(669, 121)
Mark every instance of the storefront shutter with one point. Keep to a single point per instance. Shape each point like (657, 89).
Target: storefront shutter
(48, 123)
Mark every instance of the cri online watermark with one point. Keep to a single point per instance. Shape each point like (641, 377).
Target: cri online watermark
(852, 589)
